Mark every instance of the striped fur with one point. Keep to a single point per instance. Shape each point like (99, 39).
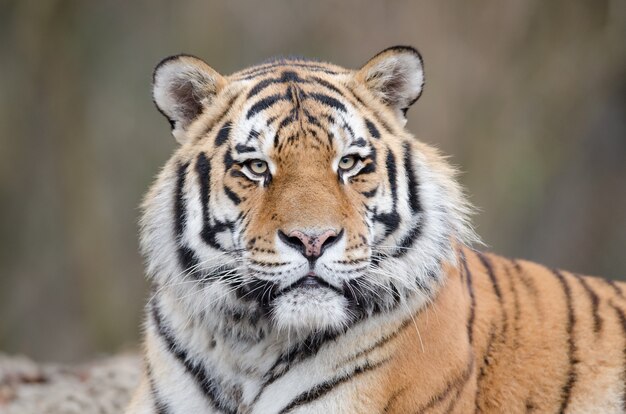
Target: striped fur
(397, 314)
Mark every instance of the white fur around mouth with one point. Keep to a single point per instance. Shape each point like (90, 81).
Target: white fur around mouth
(308, 309)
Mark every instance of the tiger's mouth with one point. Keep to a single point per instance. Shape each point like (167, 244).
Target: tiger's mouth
(310, 281)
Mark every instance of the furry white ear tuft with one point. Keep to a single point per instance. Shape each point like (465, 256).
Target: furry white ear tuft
(396, 76)
(183, 86)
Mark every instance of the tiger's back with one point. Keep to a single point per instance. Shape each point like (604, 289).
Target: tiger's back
(308, 254)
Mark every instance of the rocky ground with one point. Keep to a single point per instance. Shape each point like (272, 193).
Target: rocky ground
(103, 386)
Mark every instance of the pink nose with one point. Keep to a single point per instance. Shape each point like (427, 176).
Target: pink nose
(313, 244)
(310, 245)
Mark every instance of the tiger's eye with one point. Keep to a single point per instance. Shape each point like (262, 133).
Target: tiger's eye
(258, 167)
(347, 162)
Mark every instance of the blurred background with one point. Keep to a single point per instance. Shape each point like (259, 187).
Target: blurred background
(527, 96)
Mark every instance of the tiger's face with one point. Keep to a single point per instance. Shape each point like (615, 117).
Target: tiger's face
(297, 197)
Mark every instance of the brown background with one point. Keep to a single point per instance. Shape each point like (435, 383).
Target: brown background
(528, 96)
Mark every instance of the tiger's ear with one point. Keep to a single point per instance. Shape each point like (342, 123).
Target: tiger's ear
(183, 87)
(396, 76)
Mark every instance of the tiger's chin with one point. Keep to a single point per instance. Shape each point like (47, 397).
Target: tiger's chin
(304, 311)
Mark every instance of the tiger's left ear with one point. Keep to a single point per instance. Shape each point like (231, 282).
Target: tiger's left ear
(183, 87)
(396, 76)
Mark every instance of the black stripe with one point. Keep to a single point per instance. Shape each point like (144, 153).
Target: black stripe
(327, 85)
(241, 148)
(454, 400)
(267, 264)
(496, 288)
(239, 174)
(486, 358)
(203, 169)
(359, 142)
(209, 385)
(516, 305)
(414, 199)
(372, 129)
(622, 320)
(286, 76)
(371, 166)
(188, 260)
(160, 406)
(324, 388)
(209, 231)
(378, 344)
(271, 119)
(223, 134)
(253, 135)
(350, 131)
(186, 257)
(385, 125)
(595, 303)
(414, 202)
(264, 104)
(312, 119)
(390, 220)
(470, 289)
(615, 287)
(393, 398)
(180, 213)
(327, 100)
(297, 353)
(258, 290)
(452, 385)
(566, 390)
(294, 94)
(376, 115)
(260, 86)
(218, 119)
(291, 77)
(397, 297)
(288, 120)
(390, 163)
(365, 298)
(529, 285)
(492, 277)
(409, 238)
(368, 169)
(232, 195)
(371, 193)
(228, 160)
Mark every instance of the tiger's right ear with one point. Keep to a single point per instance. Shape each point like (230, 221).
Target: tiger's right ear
(396, 77)
(183, 86)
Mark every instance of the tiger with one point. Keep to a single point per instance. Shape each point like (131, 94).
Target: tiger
(307, 254)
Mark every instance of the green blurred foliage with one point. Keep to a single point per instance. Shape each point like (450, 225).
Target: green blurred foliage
(528, 96)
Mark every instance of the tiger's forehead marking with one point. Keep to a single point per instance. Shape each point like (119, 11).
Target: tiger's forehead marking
(292, 106)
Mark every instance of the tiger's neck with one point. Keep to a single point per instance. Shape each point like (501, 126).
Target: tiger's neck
(259, 369)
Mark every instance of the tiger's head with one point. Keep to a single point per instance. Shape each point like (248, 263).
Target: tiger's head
(297, 197)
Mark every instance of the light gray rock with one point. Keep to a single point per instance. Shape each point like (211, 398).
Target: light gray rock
(103, 386)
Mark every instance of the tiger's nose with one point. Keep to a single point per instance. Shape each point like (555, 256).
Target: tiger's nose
(311, 246)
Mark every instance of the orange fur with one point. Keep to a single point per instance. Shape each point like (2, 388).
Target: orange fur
(517, 359)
